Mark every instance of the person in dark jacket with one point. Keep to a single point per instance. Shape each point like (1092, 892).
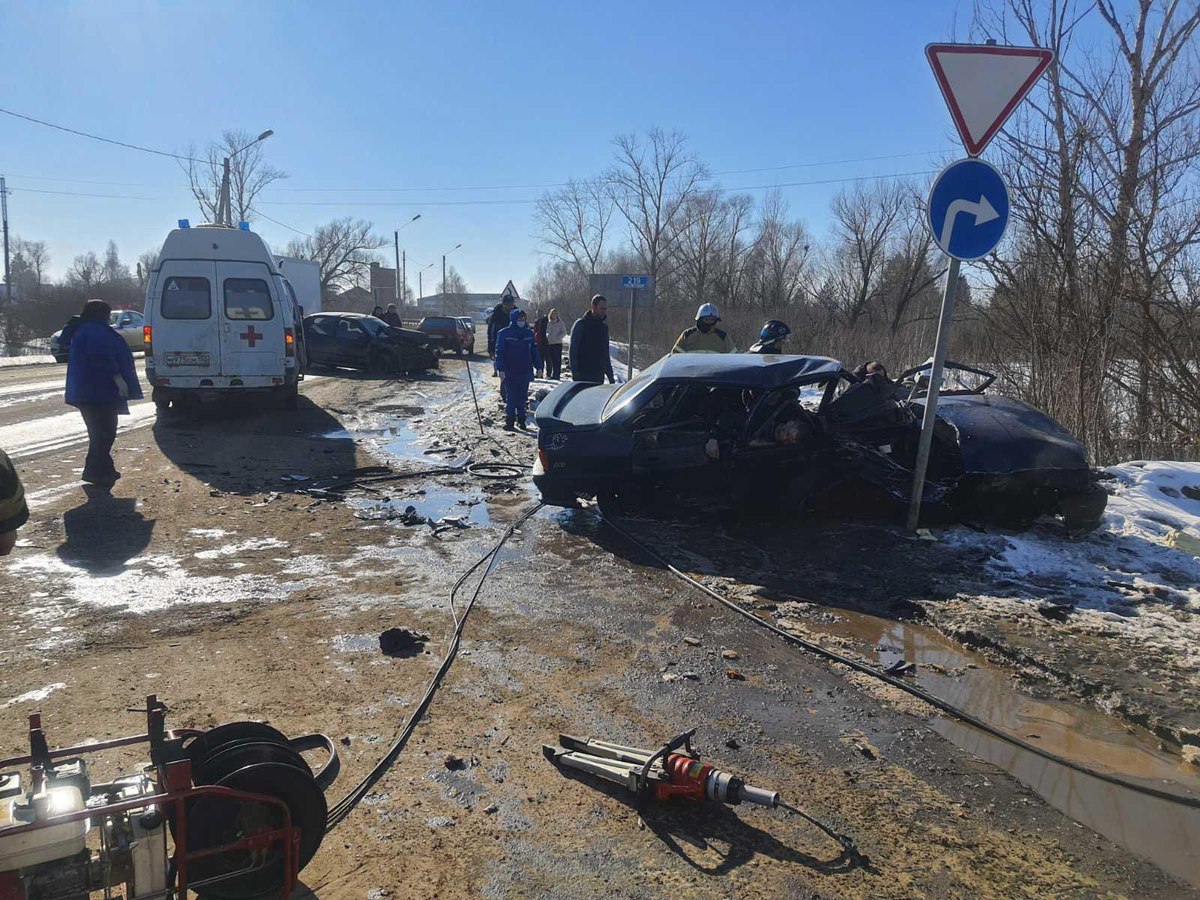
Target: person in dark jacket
(539, 334)
(391, 316)
(13, 510)
(101, 379)
(590, 356)
(517, 357)
(497, 322)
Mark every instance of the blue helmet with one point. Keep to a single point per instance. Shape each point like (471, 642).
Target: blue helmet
(774, 330)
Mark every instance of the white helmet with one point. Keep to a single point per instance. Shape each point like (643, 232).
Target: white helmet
(707, 310)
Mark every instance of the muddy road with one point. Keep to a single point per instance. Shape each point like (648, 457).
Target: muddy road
(214, 577)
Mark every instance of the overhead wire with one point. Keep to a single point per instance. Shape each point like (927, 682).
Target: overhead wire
(96, 137)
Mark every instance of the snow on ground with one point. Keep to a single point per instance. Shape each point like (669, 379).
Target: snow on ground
(1126, 579)
(8, 362)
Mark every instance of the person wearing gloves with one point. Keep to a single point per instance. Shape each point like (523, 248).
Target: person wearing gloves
(517, 357)
(101, 379)
(705, 336)
(556, 333)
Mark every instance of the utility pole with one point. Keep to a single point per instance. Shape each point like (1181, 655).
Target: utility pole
(224, 214)
(4, 205)
(443, 284)
(396, 233)
(403, 277)
(420, 284)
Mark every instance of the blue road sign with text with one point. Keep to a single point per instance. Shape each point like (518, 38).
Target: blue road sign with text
(633, 281)
(968, 209)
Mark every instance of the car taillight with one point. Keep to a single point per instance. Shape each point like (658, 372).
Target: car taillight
(146, 342)
(289, 342)
(545, 459)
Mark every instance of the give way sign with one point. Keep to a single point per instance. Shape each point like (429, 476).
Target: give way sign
(983, 84)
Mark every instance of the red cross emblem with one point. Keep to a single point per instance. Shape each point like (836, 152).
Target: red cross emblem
(251, 336)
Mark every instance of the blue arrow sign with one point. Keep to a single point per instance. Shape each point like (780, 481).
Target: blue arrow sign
(968, 209)
(633, 281)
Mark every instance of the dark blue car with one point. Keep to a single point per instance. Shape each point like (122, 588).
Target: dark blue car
(357, 341)
(788, 430)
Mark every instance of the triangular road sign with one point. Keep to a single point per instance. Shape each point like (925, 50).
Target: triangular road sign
(983, 83)
(510, 288)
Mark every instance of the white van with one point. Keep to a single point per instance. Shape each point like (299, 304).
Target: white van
(221, 318)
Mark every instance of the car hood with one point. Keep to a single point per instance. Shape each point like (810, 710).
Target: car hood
(407, 336)
(1000, 435)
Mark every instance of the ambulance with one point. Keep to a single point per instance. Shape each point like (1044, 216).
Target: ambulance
(221, 321)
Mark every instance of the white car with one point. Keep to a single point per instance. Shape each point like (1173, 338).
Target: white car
(127, 322)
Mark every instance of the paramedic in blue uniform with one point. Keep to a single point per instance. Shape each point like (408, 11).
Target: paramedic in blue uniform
(517, 357)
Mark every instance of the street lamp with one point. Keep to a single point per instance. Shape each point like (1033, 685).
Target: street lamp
(223, 210)
(399, 299)
(444, 255)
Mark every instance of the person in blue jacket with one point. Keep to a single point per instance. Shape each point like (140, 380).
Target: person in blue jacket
(101, 379)
(516, 357)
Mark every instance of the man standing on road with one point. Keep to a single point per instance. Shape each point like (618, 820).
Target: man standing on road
(590, 356)
(391, 316)
(705, 336)
(101, 379)
(539, 334)
(517, 357)
(497, 322)
(13, 511)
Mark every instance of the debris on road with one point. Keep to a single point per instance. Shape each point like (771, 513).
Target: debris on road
(692, 641)
(402, 642)
(730, 654)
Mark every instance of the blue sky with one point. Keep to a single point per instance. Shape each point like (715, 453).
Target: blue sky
(449, 95)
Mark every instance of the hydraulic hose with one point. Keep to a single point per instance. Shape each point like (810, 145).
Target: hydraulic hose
(346, 805)
(920, 693)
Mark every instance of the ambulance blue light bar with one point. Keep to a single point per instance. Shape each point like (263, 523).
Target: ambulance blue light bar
(244, 226)
(184, 223)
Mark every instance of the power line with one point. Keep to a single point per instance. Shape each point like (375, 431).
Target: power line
(728, 190)
(259, 212)
(96, 137)
(78, 194)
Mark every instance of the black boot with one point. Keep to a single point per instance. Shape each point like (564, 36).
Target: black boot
(508, 423)
(521, 424)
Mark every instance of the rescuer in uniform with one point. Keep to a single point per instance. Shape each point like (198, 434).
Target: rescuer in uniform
(705, 336)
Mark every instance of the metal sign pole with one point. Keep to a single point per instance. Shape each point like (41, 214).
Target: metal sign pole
(931, 398)
(629, 357)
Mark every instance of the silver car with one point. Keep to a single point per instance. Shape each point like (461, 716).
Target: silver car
(127, 322)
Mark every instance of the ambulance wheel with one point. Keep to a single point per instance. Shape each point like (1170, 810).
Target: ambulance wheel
(291, 397)
(162, 403)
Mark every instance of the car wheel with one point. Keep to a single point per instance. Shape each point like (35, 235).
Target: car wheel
(1084, 511)
(60, 357)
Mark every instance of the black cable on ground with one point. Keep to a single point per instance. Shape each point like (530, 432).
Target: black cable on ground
(497, 469)
(917, 692)
(346, 805)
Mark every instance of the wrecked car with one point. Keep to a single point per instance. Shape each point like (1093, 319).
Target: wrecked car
(358, 341)
(791, 430)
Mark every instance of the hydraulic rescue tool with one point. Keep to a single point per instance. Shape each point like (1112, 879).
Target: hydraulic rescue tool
(666, 773)
(231, 813)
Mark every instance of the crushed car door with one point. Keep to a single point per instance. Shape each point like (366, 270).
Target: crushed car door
(673, 428)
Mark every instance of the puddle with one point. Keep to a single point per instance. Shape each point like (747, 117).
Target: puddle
(435, 503)
(1164, 832)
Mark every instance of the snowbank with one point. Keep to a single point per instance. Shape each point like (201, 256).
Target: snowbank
(7, 362)
(1126, 579)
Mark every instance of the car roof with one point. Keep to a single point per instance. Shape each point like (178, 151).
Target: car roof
(347, 315)
(750, 370)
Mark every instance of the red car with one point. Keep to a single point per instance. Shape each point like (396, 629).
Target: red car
(454, 334)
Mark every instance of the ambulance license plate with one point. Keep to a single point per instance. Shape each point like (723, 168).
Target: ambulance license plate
(188, 359)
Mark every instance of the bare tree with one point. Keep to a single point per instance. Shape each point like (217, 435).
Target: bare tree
(249, 174)
(651, 181)
(866, 219)
(780, 253)
(574, 221)
(454, 292)
(86, 271)
(343, 249)
(146, 262)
